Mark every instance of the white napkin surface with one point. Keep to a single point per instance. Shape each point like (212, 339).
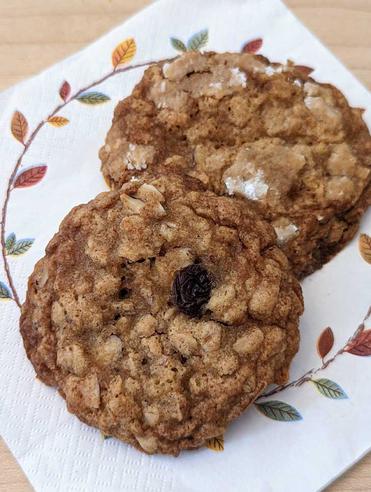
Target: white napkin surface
(317, 429)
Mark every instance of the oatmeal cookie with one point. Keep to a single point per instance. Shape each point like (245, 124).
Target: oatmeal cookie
(244, 126)
(160, 312)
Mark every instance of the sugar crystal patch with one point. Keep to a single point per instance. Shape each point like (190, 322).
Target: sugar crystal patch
(285, 233)
(254, 188)
(237, 77)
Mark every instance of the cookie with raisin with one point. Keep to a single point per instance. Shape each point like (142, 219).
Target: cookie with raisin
(161, 311)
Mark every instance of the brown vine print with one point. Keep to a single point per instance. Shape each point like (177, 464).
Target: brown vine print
(31, 176)
(359, 344)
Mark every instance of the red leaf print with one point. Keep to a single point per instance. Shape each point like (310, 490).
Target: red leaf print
(325, 342)
(361, 345)
(30, 176)
(304, 70)
(65, 90)
(19, 126)
(252, 46)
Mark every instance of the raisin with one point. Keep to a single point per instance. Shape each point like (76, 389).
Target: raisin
(191, 289)
(124, 293)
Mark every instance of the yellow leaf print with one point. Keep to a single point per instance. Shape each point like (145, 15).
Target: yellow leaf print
(58, 121)
(216, 443)
(124, 52)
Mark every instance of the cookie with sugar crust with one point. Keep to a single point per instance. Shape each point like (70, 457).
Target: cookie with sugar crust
(243, 126)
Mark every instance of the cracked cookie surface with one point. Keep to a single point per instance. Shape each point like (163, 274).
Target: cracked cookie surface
(160, 312)
(243, 126)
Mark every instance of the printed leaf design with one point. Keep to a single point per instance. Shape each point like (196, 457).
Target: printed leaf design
(361, 345)
(252, 46)
(178, 44)
(4, 291)
(304, 70)
(10, 242)
(16, 248)
(198, 40)
(30, 176)
(124, 52)
(105, 436)
(19, 126)
(216, 443)
(65, 90)
(93, 98)
(58, 121)
(278, 410)
(325, 342)
(21, 246)
(364, 245)
(329, 388)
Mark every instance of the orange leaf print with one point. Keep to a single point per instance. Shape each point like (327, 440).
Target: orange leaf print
(216, 443)
(19, 126)
(325, 342)
(364, 245)
(124, 52)
(252, 46)
(58, 121)
(30, 176)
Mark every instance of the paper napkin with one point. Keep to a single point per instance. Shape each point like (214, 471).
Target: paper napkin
(297, 439)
